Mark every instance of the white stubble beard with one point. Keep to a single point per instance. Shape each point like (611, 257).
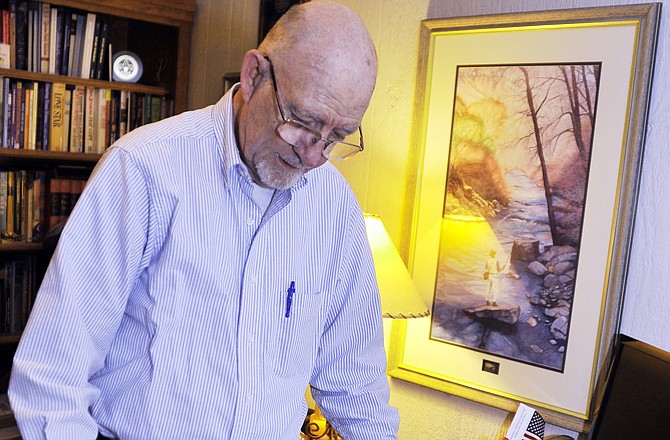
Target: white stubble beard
(272, 175)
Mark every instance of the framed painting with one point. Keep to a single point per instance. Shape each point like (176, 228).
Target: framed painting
(531, 129)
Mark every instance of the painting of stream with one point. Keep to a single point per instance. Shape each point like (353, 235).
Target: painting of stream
(518, 166)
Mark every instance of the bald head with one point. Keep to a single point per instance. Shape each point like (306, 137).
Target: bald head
(317, 68)
(324, 44)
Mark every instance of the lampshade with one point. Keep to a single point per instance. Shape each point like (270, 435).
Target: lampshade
(399, 296)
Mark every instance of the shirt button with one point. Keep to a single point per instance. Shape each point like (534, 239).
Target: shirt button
(248, 398)
(250, 221)
(250, 338)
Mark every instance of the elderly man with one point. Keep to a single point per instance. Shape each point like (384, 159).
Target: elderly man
(217, 264)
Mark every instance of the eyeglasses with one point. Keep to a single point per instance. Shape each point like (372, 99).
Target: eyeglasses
(298, 134)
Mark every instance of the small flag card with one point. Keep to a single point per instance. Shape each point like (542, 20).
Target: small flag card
(527, 424)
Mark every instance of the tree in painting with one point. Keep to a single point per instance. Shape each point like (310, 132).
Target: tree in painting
(518, 163)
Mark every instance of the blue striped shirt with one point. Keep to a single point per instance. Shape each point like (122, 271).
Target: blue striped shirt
(163, 313)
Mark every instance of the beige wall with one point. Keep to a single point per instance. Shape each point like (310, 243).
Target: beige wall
(224, 30)
(381, 177)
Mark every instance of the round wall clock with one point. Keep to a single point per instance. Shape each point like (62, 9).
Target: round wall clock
(126, 66)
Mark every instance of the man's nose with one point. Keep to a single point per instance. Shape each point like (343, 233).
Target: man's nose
(311, 155)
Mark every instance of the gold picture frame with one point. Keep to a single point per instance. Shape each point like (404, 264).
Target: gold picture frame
(613, 47)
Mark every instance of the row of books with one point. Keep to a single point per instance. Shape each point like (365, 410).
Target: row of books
(33, 203)
(40, 115)
(17, 294)
(45, 38)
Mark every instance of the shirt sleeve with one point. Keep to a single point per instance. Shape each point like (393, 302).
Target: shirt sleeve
(349, 382)
(80, 304)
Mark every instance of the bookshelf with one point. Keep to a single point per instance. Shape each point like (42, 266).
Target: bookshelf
(159, 32)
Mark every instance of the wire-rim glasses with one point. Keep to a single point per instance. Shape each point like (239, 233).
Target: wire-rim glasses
(298, 134)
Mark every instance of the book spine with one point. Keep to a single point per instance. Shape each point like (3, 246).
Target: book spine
(42, 198)
(9, 115)
(65, 199)
(15, 298)
(12, 32)
(87, 50)
(34, 118)
(77, 188)
(75, 69)
(6, 110)
(33, 36)
(89, 121)
(139, 110)
(5, 41)
(55, 45)
(101, 120)
(146, 110)
(55, 185)
(4, 299)
(28, 117)
(39, 120)
(3, 203)
(45, 38)
(77, 127)
(123, 113)
(114, 117)
(26, 206)
(3, 97)
(67, 112)
(32, 115)
(46, 120)
(19, 110)
(93, 65)
(18, 203)
(11, 200)
(35, 205)
(132, 110)
(30, 38)
(21, 35)
(102, 50)
(74, 17)
(25, 292)
(155, 108)
(56, 127)
(5, 27)
(25, 114)
(67, 29)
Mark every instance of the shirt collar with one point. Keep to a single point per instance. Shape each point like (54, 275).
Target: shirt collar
(224, 128)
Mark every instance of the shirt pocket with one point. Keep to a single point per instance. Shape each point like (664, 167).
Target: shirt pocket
(298, 335)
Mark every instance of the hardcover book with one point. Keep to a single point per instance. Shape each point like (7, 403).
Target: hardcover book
(56, 126)
(46, 117)
(89, 121)
(67, 112)
(21, 35)
(77, 120)
(87, 48)
(45, 38)
(77, 47)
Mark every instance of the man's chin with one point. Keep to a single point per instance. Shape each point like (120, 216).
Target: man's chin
(272, 176)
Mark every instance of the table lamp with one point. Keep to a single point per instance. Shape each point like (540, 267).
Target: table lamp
(399, 296)
(399, 299)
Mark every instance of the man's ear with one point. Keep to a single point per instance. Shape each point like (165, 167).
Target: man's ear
(254, 65)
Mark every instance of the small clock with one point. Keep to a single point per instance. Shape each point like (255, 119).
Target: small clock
(126, 66)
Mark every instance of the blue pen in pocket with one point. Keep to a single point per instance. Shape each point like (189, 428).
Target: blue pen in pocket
(289, 298)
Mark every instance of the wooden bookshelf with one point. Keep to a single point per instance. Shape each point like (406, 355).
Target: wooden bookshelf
(46, 77)
(159, 32)
(173, 17)
(43, 159)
